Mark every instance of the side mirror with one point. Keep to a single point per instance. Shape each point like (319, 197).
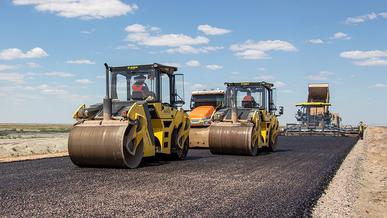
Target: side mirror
(179, 103)
(281, 110)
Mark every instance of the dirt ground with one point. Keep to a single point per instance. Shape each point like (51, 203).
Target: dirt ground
(32, 145)
(359, 188)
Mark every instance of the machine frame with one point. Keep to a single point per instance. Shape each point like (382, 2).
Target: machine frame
(119, 133)
(242, 131)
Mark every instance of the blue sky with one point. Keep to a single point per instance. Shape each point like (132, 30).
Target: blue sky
(52, 54)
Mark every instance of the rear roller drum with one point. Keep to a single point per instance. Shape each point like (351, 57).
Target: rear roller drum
(236, 140)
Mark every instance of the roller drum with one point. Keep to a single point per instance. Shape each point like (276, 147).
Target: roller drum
(231, 139)
(101, 146)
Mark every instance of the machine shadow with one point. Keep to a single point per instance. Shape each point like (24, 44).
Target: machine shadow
(263, 152)
(160, 160)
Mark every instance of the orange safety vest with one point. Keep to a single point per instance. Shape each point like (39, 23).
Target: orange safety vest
(137, 88)
(248, 98)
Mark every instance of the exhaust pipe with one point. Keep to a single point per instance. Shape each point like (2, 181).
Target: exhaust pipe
(107, 101)
(234, 109)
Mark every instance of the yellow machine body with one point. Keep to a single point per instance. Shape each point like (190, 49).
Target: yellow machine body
(120, 133)
(244, 130)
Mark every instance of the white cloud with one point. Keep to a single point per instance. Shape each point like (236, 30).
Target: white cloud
(88, 31)
(363, 54)
(367, 58)
(193, 63)
(270, 78)
(58, 74)
(372, 62)
(264, 77)
(84, 9)
(51, 90)
(198, 86)
(279, 84)
(187, 49)
(363, 18)
(127, 46)
(340, 35)
(269, 45)
(140, 35)
(214, 67)
(12, 77)
(258, 50)
(173, 40)
(210, 30)
(321, 76)
(83, 81)
(379, 85)
(80, 61)
(252, 54)
(315, 41)
(15, 53)
(32, 65)
(143, 35)
(135, 28)
(4, 67)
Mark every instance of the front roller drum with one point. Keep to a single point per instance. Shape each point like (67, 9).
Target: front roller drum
(232, 139)
(104, 146)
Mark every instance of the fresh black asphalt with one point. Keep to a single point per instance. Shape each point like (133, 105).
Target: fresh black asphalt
(282, 184)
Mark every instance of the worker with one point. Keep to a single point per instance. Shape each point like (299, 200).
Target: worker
(248, 101)
(362, 128)
(299, 115)
(140, 90)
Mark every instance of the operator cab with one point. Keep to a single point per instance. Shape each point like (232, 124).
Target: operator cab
(248, 98)
(125, 85)
(151, 83)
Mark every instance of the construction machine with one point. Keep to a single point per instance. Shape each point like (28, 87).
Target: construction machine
(204, 104)
(247, 122)
(141, 116)
(314, 117)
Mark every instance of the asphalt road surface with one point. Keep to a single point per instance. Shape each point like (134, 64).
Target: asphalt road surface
(281, 184)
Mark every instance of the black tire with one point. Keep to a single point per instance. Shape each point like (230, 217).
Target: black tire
(176, 152)
(272, 142)
(254, 150)
(133, 161)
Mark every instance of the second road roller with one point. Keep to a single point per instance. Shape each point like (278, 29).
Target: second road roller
(248, 121)
(140, 116)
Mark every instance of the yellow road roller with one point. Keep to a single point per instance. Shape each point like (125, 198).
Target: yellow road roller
(140, 116)
(248, 121)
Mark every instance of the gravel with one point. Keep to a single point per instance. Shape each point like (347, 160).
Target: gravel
(32, 144)
(359, 188)
(286, 183)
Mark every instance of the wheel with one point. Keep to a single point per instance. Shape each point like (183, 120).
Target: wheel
(254, 150)
(273, 141)
(178, 153)
(132, 158)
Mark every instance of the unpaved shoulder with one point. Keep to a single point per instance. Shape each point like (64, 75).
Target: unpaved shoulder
(33, 148)
(359, 188)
